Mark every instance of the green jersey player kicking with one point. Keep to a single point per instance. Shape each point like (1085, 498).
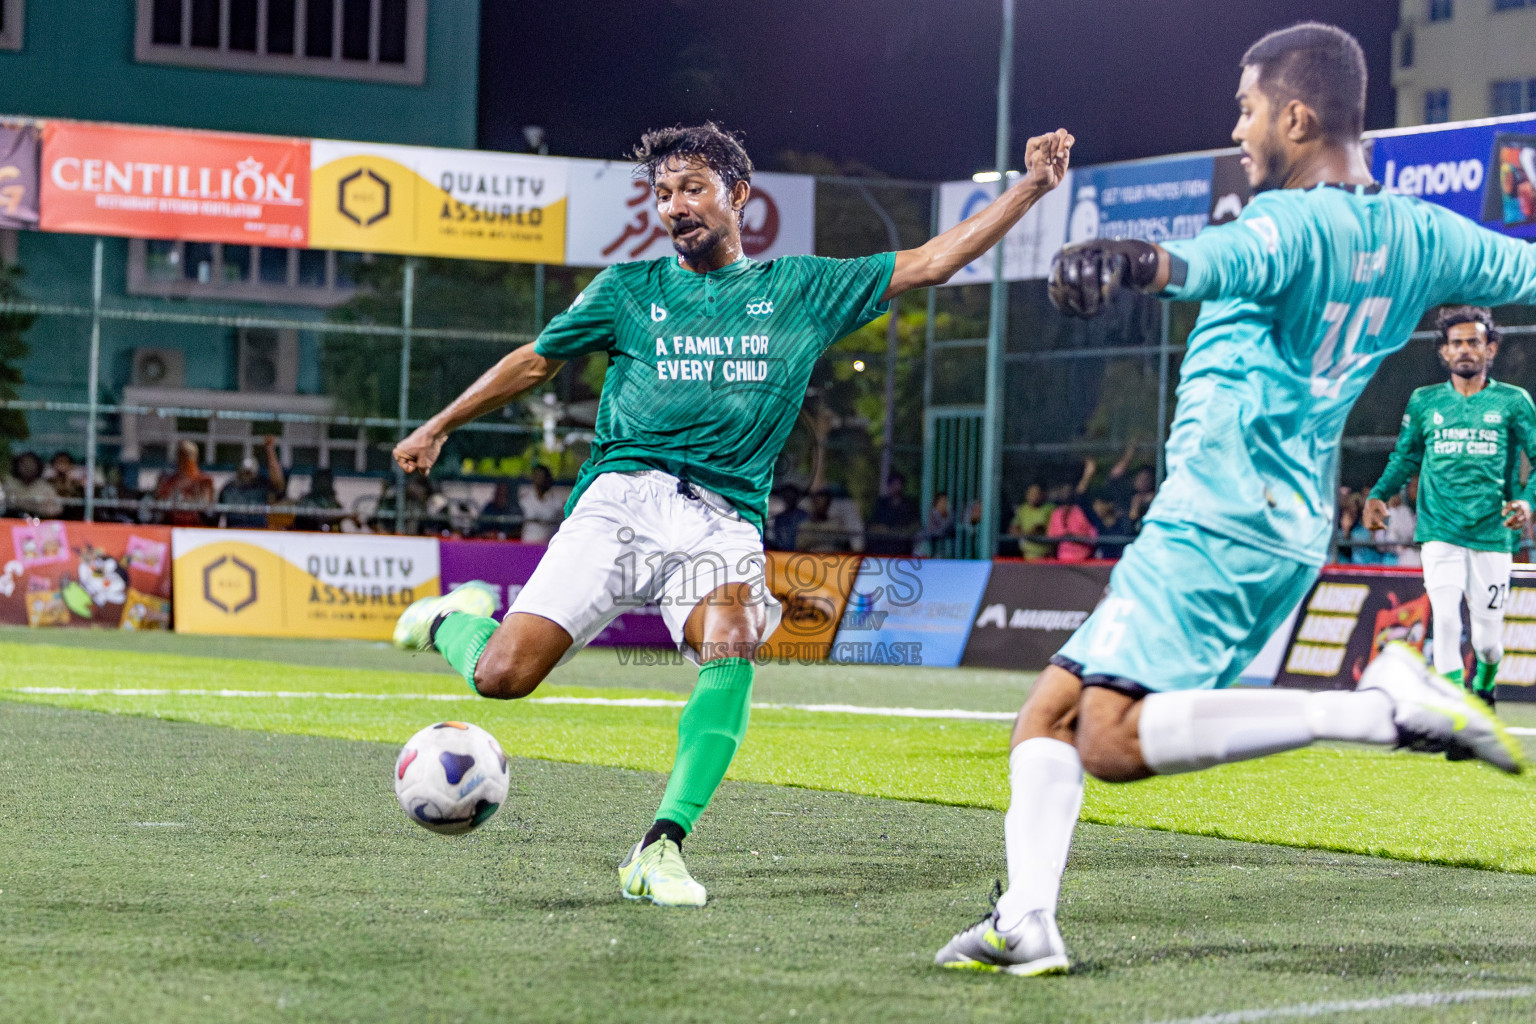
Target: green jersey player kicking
(709, 355)
(1464, 439)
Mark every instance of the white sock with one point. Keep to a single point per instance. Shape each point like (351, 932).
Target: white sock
(1045, 779)
(1445, 607)
(1187, 730)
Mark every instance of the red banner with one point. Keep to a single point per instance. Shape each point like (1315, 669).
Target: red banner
(85, 574)
(159, 183)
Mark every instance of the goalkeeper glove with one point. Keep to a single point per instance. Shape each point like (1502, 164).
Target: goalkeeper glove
(1085, 277)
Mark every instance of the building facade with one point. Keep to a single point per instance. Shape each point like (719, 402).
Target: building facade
(1457, 60)
(401, 71)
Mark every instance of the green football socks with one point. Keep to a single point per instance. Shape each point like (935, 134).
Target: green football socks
(461, 638)
(1483, 682)
(708, 733)
(1454, 675)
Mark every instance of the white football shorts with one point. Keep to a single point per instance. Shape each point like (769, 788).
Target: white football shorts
(633, 539)
(1482, 575)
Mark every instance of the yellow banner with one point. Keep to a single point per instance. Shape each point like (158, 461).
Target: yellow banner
(266, 583)
(437, 202)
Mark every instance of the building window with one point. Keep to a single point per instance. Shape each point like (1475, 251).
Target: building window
(1439, 10)
(245, 273)
(1505, 5)
(13, 16)
(1505, 98)
(375, 40)
(1405, 55)
(1437, 106)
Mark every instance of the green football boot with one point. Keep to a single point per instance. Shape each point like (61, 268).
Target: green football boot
(1433, 715)
(413, 631)
(657, 873)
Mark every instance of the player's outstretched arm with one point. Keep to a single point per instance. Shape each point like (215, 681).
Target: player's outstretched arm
(1046, 158)
(1085, 277)
(519, 371)
(1406, 460)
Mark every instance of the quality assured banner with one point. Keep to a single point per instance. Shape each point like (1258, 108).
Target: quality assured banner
(1027, 248)
(910, 611)
(613, 216)
(107, 179)
(269, 583)
(85, 574)
(1484, 171)
(421, 201)
(19, 155)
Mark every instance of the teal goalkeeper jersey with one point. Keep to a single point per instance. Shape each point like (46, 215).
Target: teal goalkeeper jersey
(1304, 295)
(707, 372)
(1466, 450)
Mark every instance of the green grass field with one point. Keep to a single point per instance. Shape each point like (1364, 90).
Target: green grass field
(239, 856)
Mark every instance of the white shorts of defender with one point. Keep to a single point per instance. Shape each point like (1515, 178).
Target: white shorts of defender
(633, 539)
(1483, 576)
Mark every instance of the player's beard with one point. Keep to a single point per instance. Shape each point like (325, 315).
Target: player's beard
(1275, 171)
(698, 247)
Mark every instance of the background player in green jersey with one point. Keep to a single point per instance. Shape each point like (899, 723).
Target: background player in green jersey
(1464, 439)
(709, 356)
(1319, 280)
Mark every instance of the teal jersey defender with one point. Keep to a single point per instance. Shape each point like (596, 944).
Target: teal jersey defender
(707, 372)
(1304, 295)
(1466, 450)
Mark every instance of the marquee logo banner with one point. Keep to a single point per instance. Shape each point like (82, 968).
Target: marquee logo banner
(416, 200)
(106, 179)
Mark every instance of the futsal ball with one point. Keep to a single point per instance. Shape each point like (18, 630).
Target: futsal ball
(451, 777)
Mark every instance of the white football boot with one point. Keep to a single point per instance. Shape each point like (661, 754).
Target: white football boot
(413, 631)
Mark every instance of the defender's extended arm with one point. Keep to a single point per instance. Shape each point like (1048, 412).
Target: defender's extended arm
(1046, 159)
(517, 372)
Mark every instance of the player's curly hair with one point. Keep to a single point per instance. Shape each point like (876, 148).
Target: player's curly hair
(1450, 316)
(719, 150)
(1320, 65)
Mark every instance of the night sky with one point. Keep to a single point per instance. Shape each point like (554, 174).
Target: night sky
(903, 87)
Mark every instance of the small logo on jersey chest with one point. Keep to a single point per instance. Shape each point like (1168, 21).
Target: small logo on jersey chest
(657, 313)
(1492, 417)
(760, 308)
(1439, 419)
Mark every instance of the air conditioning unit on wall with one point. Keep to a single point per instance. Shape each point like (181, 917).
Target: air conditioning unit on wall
(159, 368)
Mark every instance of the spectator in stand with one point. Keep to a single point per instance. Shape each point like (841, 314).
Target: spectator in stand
(322, 495)
(543, 510)
(1360, 542)
(188, 485)
(67, 478)
(501, 517)
(114, 489)
(1109, 522)
(27, 493)
(893, 525)
(1070, 521)
(939, 530)
(1120, 487)
(820, 532)
(784, 525)
(1143, 490)
(253, 487)
(1401, 522)
(1031, 520)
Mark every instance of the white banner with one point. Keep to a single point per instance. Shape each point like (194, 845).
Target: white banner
(1027, 249)
(612, 216)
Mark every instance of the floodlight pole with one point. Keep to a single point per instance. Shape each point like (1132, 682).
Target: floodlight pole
(892, 347)
(407, 317)
(997, 329)
(93, 379)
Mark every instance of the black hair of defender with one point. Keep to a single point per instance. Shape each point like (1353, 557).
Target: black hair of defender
(1321, 65)
(1450, 316)
(708, 143)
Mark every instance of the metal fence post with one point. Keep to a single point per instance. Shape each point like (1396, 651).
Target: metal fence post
(93, 381)
(538, 297)
(992, 419)
(407, 315)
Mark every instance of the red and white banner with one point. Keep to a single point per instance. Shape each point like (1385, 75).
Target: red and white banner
(160, 183)
(612, 216)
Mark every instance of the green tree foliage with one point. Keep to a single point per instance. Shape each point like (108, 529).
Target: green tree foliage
(13, 349)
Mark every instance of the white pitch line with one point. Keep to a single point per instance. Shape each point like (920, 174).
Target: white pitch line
(1304, 1010)
(608, 702)
(1515, 730)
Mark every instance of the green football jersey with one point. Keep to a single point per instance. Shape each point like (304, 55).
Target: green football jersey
(1466, 450)
(707, 372)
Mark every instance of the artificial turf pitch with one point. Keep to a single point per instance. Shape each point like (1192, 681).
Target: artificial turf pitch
(164, 870)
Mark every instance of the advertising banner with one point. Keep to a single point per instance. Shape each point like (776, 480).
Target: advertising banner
(813, 588)
(1027, 249)
(1351, 614)
(910, 611)
(1029, 609)
(421, 201)
(85, 574)
(613, 216)
(508, 565)
(19, 155)
(1159, 200)
(106, 179)
(1483, 171)
(270, 583)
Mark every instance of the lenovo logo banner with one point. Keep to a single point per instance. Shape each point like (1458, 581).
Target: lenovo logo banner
(159, 183)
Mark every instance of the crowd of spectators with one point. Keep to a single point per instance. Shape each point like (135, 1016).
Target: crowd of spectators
(1075, 522)
(1392, 545)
